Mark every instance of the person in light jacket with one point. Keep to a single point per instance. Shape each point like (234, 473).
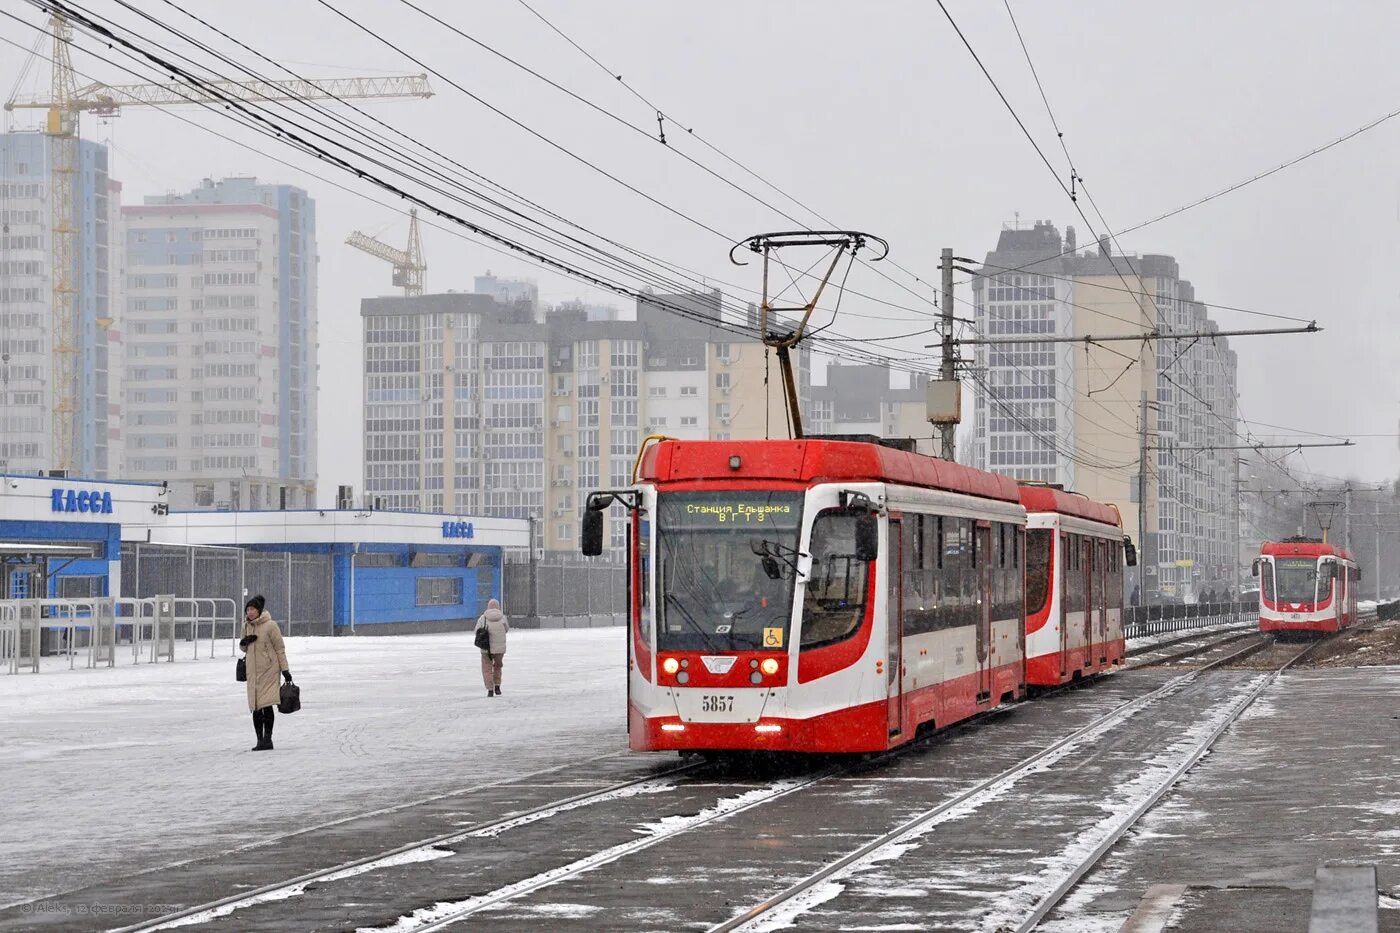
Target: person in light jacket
(266, 657)
(496, 624)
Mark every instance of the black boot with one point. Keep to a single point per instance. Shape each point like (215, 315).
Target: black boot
(498, 691)
(490, 693)
(266, 744)
(258, 728)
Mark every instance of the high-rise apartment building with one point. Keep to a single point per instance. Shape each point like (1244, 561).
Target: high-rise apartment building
(857, 399)
(220, 341)
(1079, 415)
(28, 391)
(546, 408)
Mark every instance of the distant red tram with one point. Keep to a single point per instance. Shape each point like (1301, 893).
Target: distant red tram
(1306, 585)
(825, 595)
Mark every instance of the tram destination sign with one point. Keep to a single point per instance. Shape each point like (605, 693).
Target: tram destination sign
(731, 510)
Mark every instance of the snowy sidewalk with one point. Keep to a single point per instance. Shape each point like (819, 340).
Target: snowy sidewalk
(110, 771)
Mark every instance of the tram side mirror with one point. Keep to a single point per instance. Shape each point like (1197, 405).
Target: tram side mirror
(591, 539)
(867, 536)
(771, 567)
(1254, 568)
(1129, 553)
(1358, 571)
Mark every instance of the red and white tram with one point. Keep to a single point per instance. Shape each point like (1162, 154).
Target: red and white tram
(816, 595)
(1306, 585)
(1074, 586)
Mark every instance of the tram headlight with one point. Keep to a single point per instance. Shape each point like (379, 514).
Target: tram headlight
(682, 678)
(670, 665)
(769, 666)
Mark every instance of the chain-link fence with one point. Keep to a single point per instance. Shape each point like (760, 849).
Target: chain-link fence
(566, 593)
(298, 587)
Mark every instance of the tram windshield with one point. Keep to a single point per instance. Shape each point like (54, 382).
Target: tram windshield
(726, 563)
(1295, 579)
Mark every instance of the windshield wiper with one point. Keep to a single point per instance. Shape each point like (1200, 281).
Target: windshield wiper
(762, 547)
(690, 619)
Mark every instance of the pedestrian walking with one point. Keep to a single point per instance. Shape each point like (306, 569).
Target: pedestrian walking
(266, 656)
(1134, 597)
(495, 624)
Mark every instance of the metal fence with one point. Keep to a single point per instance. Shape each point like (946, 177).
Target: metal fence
(1139, 621)
(150, 627)
(566, 593)
(298, 587)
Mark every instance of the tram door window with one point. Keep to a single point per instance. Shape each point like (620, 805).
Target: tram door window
(894, 628)
(984, 564)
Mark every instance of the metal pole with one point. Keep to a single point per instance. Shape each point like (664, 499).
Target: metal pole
(534, 578)
(1376, 570)
(948, 371)
(1239, 541)
(1346, 517)
(1142, 501)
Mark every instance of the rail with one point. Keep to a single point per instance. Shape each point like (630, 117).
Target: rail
(150, 626)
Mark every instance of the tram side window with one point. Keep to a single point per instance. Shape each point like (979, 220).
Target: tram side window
(961, 573)
(836, 590)
(1038, 554)
(1266, 579)
(1072, 587)
(917, 599)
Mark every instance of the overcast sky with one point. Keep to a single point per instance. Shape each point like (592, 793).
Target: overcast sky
(876, 116)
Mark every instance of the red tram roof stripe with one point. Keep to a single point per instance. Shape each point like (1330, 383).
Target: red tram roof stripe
(1050, 499)
(1303, 549)
(813, 461)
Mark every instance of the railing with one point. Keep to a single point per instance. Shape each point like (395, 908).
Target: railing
(1141, 621)
(150, 625)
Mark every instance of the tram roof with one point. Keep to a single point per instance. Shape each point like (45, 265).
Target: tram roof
(1303, 549)
(1050, 499)
(815, 461)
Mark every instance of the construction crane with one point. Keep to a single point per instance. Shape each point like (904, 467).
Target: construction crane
(408, 263)
(64, 103)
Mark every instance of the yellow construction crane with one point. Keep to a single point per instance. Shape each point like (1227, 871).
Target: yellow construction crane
(64, 102)
(408, 264)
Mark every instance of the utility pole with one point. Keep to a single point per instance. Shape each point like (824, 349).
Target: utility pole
(948, 372)
(1376, 570)
(1346, 516)
(1142, 502)
(1239, 512)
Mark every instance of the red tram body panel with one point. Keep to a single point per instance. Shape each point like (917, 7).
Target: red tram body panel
(1306, 586)
(821, 595)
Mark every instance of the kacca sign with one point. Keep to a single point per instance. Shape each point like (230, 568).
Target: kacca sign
(81, 500)
(457, 530)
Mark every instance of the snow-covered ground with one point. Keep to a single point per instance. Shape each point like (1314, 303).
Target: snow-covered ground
(111, 771)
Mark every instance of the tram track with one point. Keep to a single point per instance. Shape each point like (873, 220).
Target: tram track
(431, 847)
(823, 885)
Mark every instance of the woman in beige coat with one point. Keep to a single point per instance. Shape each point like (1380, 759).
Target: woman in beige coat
(266, 657)
(496, 625)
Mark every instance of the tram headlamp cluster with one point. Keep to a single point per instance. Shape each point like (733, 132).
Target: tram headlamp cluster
(670, 665)
(769, 666)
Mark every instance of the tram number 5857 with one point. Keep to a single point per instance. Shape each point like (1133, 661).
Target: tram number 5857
(709, 703)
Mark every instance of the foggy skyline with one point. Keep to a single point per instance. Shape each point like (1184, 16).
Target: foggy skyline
(888, 127)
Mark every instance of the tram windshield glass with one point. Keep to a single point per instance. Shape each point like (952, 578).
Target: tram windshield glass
(1295, 579)
(725, 566)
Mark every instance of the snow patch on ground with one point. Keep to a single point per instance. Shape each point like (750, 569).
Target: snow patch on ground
(411, 857)
(786, 915)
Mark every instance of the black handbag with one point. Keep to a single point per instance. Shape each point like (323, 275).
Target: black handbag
(240, 671)
(483, 639)
(289, 701)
